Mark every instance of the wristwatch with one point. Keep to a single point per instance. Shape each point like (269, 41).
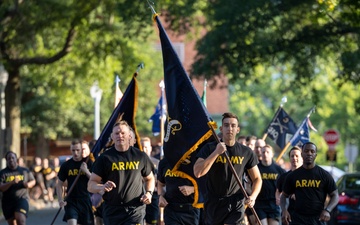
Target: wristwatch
(327, 210)
(151, 193)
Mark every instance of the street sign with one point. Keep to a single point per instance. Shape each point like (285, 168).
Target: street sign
(351, 152)
(331, 137)
(331, 155)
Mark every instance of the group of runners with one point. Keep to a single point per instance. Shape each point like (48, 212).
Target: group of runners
(127, 186)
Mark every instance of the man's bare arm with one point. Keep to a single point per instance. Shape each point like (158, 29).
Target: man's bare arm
(255, 177)
(202, 166)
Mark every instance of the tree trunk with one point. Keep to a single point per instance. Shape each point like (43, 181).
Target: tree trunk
(13, 106)
(42, 146)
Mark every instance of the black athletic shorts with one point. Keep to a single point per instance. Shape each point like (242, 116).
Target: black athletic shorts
(297, 219)
(113, 214)
(99, 211)
(268, 213)
(152, 210)
(248, 211)
(226, 210)
(183, 214)
(79, 209)
(20, 205)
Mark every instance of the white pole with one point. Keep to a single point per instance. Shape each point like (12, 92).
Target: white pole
(96, 94)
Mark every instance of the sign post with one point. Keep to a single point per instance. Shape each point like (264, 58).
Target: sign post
(351, 153)
(331, 138)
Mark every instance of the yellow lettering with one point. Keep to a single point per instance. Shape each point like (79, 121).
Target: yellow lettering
(269, 176)
(220, 159)
(241, 159)
(311, 183)
(303, 183)
(169, 173)
(73, 172)
(235, 160)
(125, 165)
(130, 165)
(121, 166)
(11, 178)
(308, 183)
(114, 167)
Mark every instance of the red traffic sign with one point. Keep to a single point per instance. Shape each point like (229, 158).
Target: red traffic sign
(331, 137)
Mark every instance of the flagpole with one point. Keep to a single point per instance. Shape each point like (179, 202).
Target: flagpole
(117, 91)
(283, 151)
(235, 175)
(283, 101)
(162, 119)
(203, 97)
(162, 86)
(288, 144)
(162, 131)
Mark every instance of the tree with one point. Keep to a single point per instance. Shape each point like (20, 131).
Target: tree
(46, 32)
(244, 34)
(256, 100)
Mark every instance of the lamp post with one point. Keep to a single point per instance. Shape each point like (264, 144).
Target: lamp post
(96, 94)
(4, 76)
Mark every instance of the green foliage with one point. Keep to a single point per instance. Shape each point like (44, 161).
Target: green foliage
(306, 50)
(64, 86)
(95, 40)
(244, 34)
(256, 100)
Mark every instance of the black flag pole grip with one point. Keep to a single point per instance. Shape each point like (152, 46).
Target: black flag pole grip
(235, 175)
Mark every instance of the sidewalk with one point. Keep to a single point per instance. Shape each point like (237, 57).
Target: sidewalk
(33, 205)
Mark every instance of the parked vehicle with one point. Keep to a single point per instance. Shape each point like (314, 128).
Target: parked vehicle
(348, 209)
(335, 172)
(64, 158)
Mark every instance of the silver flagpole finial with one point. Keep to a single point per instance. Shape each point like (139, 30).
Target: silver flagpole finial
(162, 84)
(151, 3)
(140, 66)
(117, 79)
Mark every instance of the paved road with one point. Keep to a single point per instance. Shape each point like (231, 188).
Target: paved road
(40, 214)
(45, 216)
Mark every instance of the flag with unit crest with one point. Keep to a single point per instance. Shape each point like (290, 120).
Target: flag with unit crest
(188, 122)
(281, 128)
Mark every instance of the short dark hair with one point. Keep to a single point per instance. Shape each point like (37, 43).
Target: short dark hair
(76, 141)
(229, 115)
(251, 137)
(241, 137)
(294, 149)
(10, 152)
(309, 143)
